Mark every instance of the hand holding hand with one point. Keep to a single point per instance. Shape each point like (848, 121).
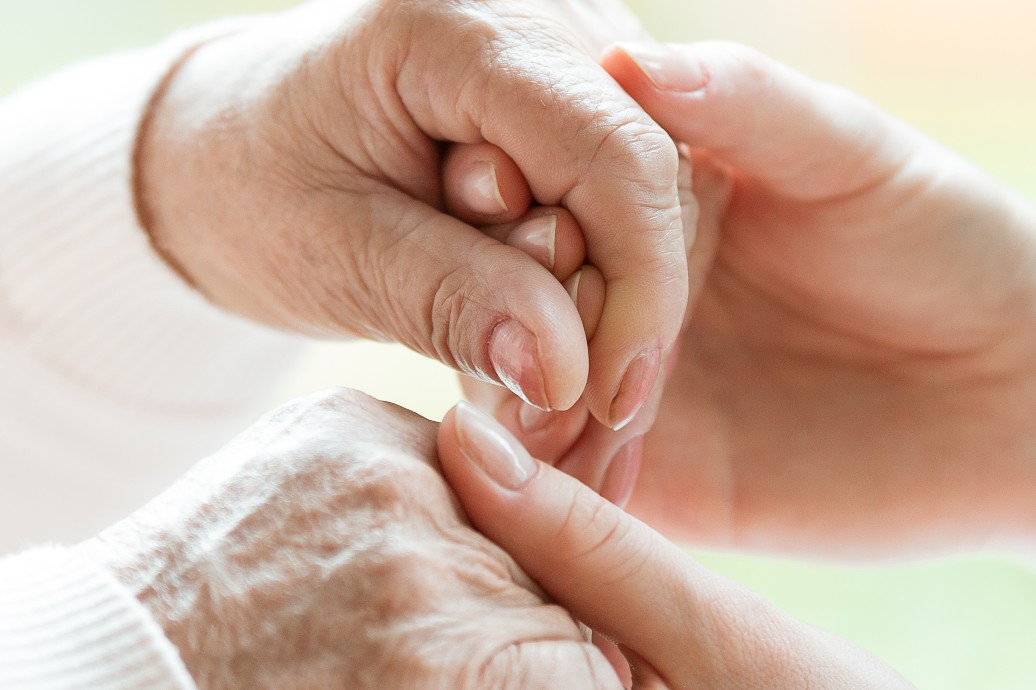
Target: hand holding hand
(291, 172)
(858, 369)
(322, 549)
(680, 625)
(858, 360)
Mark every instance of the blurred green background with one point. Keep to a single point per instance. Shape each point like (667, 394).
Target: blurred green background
(963, 71)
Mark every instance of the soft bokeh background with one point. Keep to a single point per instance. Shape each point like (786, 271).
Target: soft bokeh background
(962, 70)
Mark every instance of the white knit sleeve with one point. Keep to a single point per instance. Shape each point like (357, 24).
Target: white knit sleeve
(65, 624)
(116, 374)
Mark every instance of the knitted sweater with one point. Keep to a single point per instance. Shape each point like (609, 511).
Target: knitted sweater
(116, 375)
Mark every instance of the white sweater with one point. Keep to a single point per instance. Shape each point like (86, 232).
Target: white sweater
(116, 375)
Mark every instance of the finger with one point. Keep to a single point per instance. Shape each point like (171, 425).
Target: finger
(609, 461)
(691, 626)
(483, 185)
(587, 289)
(705, 205)
(643, 676)
(548, 435)
(594, 151)
(589, 555)
(615, 657)
(446, 290)
(550, 235)
(777, 125)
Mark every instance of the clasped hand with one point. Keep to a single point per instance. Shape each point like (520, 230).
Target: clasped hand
(856, 357)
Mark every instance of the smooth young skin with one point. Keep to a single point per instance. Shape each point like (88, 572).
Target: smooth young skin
(322, 550)
(291, 171)
(681, 626)
(858, 372)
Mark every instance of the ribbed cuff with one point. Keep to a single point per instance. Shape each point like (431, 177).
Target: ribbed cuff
(80, 286)
(65, 624)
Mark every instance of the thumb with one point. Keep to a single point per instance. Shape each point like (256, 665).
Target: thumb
(683, 626)
(610, 570)
(445, 289)
(776, 125)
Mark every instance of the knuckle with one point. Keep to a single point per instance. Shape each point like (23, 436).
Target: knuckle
(459, 316)
(409, 613)
(447, 312)
(630, 139)
(599, 538)
(406, 577)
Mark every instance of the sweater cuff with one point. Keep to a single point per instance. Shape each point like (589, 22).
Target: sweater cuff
(80, 286)
(65, 624)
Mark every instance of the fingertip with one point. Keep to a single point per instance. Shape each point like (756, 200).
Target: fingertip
(586, 287)
(547, 435)
(621, 476)
(640, 320)
(551, 236)
(482, 184)
(668, 80)
(617, 62)
(610, 650)
(546, 369)
(666, 68)
(515, 354)
(605, 555)
(471, 439)
(566, 374)
(615, 405)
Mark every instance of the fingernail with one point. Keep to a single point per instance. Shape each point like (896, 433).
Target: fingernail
(532, 419)
(481, 191)
(536, 237)
(515, 358)
(589, 312)
(669, 69)
(572, 285)
(621, 476)
(634, 389)
(487, 446)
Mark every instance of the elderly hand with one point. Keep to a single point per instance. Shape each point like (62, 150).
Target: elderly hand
(291, 171)
(322, 549)
(680, 625)
(606, 459)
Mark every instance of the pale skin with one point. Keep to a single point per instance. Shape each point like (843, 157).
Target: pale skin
(681, 626)
(322, 550)
(290, 170)
(858, 368)
(857, 355)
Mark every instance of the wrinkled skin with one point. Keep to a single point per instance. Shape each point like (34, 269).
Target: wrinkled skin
(322, 549)
(291, 172)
